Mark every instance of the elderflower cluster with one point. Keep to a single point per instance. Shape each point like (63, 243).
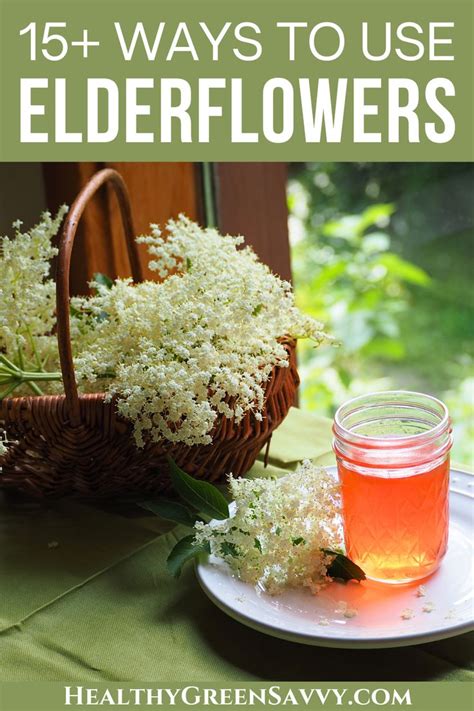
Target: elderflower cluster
(198, 344)
(27, 293)
(278, 529)
(175, 354)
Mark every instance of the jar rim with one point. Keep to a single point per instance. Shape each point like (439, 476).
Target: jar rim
(340, 431)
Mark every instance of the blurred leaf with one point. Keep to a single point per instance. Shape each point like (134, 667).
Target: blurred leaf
(389, 327)
(375, 242)
(370, 299)
(377, 215)
(355, 330)
(347, 227)
(352, 227)
(421, 331)
(345, 376)
(386, 348)
(329, 274)
(396, 266)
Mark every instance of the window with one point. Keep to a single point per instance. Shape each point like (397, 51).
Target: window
(382, 252)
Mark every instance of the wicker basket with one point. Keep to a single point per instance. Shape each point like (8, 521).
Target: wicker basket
(77, 445)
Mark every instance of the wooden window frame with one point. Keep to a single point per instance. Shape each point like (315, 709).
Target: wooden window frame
(250, 199)
(240, 198)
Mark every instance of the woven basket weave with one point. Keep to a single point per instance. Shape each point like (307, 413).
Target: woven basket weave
(77, 445)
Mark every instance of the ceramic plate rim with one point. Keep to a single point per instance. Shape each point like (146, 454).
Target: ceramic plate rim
(334, 641)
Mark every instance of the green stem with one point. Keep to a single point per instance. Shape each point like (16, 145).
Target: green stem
(13, 376)
(29, 376)
(35, 388)
(20, 355)
(8, 363)
(33, 348)
(106, 374)
(8, 391)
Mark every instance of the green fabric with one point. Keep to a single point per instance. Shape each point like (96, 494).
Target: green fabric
(100, 605)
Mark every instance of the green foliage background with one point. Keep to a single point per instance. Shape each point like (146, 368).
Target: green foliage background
(382, 253)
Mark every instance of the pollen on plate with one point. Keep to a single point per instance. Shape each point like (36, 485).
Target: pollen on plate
(344, 609)
(428, 607)
(407, 614)
(421, 591)
(350, 612)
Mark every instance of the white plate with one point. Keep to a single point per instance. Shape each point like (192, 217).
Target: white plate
(296, 615)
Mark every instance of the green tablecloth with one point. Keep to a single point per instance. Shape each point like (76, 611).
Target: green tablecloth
(84, 595)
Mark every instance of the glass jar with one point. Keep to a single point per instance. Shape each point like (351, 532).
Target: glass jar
(392, 450)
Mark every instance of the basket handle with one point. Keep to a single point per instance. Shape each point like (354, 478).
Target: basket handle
(66, 243)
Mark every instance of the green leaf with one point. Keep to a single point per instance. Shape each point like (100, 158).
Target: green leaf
(170, 511)
(201, 495)
(342, 567)
(345, 376)
(228, 548)
(298, 541)
(328, 275)
(75, 312)
(347, 227)
(376, 215)
(257, 544)
(375, 242)
(400, 268)
(333, 551)
(183, 551)
(387, 348)
(103, 280)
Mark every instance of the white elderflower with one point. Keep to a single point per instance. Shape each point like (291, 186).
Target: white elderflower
(199, 344)
(28, 295)
(176, 354)
(275, 537)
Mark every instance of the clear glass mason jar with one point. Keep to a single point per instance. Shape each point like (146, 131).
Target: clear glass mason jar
(392, 450)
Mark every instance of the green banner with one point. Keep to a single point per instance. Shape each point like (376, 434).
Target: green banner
(418, 696)
(169, 80)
